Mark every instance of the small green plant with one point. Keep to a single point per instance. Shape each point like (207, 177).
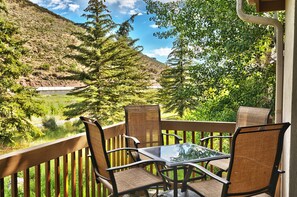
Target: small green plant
(61, 68)
(73, 68)
(44, 66)
(50, 123)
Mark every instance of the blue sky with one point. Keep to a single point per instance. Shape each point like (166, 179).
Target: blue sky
(121, 10)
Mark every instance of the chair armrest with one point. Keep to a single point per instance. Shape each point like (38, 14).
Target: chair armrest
(136, 141)
(177, 138)
(143, 163)
(204, 170)
(206, 139)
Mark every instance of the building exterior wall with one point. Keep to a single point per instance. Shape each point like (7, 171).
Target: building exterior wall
(289, 180)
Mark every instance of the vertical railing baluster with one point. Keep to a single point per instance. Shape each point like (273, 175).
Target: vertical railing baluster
(2, 187)
(65, 175)
(184, 136)
(108, 148)
(121, 156)
(73, 174)
(48, 179)
(230, 141)
(37, 181)
(87, 172)
(26, 183)
(118, 145)
(221, 143)
(113, 155)
(167, 138)
(202, 135)
(80, 174)
(211, 141)
(193, 138)
(14, 185)
(57, 177)
(93, 183)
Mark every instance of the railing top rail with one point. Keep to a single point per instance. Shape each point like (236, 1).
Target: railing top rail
(205, 126)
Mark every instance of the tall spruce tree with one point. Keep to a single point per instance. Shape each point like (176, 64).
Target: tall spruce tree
(108, 61)
(133, 78)
(177, 93)
(17, 103)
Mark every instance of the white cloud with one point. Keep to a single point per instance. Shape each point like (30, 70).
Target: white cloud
(154, 26)
(36, 1)
(161, 52)
(135, 11)
(58, 4)
(73, 7)
(123, 3)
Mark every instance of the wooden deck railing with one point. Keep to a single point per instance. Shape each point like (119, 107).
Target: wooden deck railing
(62, 167)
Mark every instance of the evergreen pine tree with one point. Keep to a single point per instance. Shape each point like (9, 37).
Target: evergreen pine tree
(108, 61)
(177, 93)
(132, 76)
(17, 103)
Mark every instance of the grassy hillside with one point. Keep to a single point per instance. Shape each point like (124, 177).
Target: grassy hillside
(47, 36)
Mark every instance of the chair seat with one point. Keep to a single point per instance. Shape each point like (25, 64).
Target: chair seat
(135, 178)
(210, 188)
(221, 163)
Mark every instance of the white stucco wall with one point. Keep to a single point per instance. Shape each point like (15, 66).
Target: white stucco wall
(289, 179)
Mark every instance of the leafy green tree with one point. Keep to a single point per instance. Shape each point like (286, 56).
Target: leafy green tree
(234, 61)
(17, 103)
(111, 66)
(177, 94)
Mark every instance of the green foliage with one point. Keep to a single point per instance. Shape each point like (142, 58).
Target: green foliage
(55, 105)
(233, 60)
(112, 71)
(17, 103)
(50, 123)
(52, 131)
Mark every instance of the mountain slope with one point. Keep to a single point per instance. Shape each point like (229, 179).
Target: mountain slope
(47, 36)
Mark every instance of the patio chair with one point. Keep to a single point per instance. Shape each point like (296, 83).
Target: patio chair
(143, 127)
(246, 116)
(118, 180)
(254, 164)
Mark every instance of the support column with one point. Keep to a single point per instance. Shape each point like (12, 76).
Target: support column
(289, 181)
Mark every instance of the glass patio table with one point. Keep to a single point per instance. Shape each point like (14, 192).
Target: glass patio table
(179, 154)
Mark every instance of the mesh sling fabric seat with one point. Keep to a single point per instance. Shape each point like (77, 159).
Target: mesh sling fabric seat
(118, 180)
(143, 127)
(246, 116)
(253, 169)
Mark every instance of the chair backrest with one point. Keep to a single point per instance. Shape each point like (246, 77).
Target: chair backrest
(255, 156)
(249, 116)
(96, 142)
(144, 123)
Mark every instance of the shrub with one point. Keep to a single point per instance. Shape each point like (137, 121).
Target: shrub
(45, 66)
(50, 123)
